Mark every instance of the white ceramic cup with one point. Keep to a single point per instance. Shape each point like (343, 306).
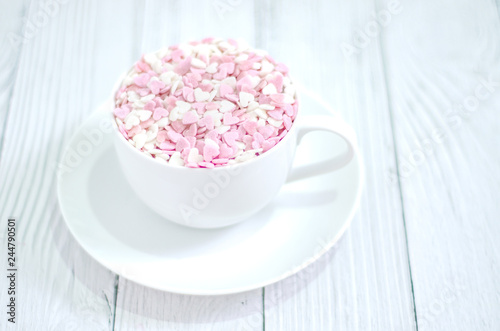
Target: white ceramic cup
(218, 197)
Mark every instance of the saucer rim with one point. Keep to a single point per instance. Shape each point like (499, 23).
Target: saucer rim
(197, 291)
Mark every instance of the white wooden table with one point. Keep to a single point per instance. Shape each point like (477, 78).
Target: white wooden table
(418, 80)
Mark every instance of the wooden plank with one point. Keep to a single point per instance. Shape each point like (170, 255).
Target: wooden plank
(11, 32)
(60, 287)
(364, 282)
(446, 127)
(141, 308)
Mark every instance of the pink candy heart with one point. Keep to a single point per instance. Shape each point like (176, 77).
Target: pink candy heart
(121, 112)
(156, 85)
(229, 119)
(190, 117)
(230, 137)
(225, 90)
(266, 131)
(182, 144)
(210, 150)
(159, 113)
(207, 121)
(142, 80)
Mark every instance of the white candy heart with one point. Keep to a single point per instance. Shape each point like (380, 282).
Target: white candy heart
(267, 106)
(275, 123)
(231, 81)
(200, 95)
(166, 77)
(226, 106)
(255, 81)
(174, 87)
(194, 156)
(163, 122)
(174, 114)
(140, 140)
(245, 99)
(197, 63)
(266, 68)
(222, 129)
(261, 113)
(252, 105)
(148, 97)
(131, 122)
(213, 93)
(152, 132)
(269, 89)
(212, 68)
(176, 159)
(183, 106)
(149, 147)
(132, 96)
(144, 115)
(241, 58)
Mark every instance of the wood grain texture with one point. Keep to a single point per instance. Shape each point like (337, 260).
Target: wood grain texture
(363, 283)
(59, 286)
(422, 252)
(11, 26)
(446, 127)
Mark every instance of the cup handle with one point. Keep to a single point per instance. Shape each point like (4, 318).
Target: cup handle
(329, 124)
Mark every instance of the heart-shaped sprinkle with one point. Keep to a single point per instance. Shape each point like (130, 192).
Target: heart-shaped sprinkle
(182, 144)
(159, 113)
(190, 117)
(245, 99)
(142, 80)
(121, 112)
(162, 136)
(201, 95)
(183, 67)
(131, 122)
(167, 145)
(156, 85)
(266, 131)
(250, 127)
(276, 114)
(269, 89)
(191, 131)
(229, 119)
(225, 152)
(225, 89)
(210, 150)
(140, 140)
(207, 121)
(226, 106)
(230, 137)
(174, 136)
(144, 115)
(287, 121)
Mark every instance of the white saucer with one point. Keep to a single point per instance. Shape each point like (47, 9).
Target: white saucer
(113, 226)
